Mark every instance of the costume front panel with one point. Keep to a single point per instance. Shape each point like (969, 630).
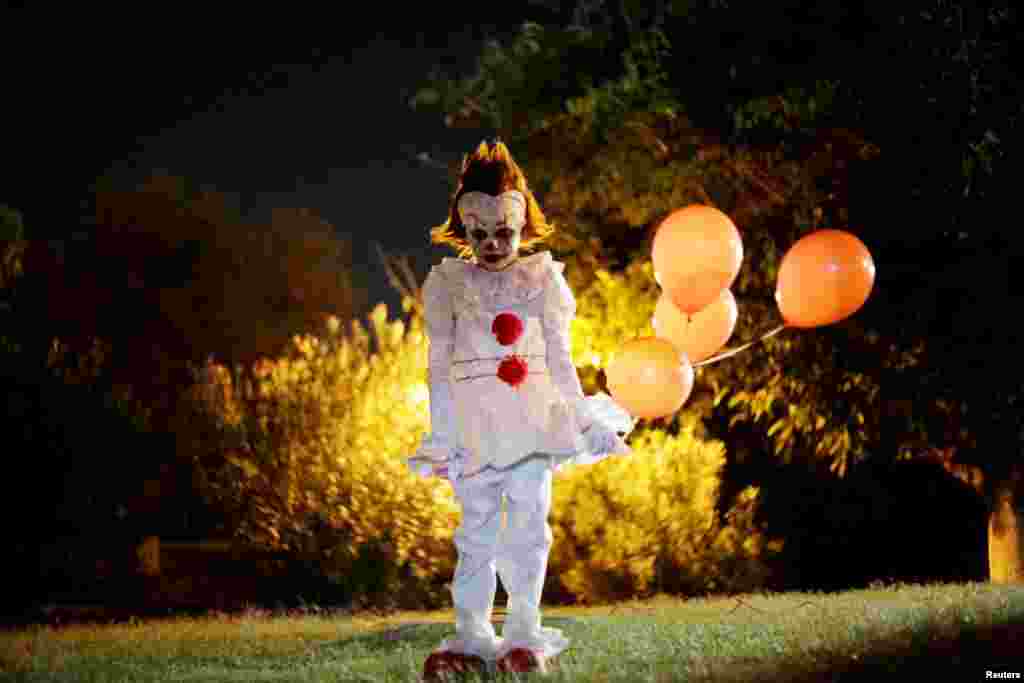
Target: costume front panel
(479, 418)
(498, 423)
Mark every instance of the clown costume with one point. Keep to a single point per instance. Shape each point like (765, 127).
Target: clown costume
(506, 408)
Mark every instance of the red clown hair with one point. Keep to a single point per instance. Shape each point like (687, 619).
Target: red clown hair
(491, 169)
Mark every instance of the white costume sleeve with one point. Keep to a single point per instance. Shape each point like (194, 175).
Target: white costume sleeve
(598, 417)
(440, 320)
(440, 324)
(559, 310)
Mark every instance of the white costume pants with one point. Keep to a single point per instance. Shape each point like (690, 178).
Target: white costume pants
(518, 554)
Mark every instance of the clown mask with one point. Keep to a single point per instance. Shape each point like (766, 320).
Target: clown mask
(494, 226)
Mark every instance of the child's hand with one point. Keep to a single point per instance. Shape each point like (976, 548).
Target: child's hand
(602, 440)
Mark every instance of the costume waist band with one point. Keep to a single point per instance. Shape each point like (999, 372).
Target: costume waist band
(482, 368)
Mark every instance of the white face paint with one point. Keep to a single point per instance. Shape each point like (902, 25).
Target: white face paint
(494, 226)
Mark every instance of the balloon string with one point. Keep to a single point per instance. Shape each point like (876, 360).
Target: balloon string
(733, 352)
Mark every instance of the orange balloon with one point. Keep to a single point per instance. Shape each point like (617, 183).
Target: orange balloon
(825, 277)
(697, 252)
(649, 377)
(699, 335)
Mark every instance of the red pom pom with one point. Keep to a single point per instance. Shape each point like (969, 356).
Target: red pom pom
(513, 370)
(507, 327)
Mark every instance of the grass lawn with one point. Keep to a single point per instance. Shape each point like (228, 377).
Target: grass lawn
(938, 632)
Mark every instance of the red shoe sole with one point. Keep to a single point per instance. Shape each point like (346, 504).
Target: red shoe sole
(440, 665)
(522, 661)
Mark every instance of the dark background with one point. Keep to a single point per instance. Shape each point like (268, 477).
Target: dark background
(310, 110)
(279, 109)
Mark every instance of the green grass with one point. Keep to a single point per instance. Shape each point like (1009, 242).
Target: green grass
(941, 632)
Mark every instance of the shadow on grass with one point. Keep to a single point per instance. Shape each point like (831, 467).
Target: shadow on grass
(966, 656)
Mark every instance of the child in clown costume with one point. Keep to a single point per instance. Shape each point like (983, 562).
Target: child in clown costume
(506, 410)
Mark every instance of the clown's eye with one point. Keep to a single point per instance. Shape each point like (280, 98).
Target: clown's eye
(505, 234)
(479, 235)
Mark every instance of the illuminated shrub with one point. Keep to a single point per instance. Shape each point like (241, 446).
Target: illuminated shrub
(312, 459)
(647, 523)
(309, 457)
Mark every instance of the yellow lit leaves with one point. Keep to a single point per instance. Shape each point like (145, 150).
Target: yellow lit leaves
(813, 406)
(306, 345)
(244, 464)
(611, 310)
(758, 403)
(615, 521)
(325, 432)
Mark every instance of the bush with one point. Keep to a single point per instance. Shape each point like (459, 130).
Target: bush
(312, 458)
(307, 454)
(647, 523)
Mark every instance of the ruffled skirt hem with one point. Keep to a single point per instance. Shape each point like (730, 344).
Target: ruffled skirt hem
(570, 447)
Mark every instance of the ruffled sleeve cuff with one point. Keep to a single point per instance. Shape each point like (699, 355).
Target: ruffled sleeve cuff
(601, 419)
(434, 454)
(602, 408)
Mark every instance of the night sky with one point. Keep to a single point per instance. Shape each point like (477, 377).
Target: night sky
(255, 106)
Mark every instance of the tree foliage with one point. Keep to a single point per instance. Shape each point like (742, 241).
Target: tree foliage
(798, 145)
(619, 185)
(225, 285)
(169, 275)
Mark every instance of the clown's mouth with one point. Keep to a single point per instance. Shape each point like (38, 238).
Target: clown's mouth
(493, 258)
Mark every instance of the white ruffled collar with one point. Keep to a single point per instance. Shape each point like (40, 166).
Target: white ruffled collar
(485, 290)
